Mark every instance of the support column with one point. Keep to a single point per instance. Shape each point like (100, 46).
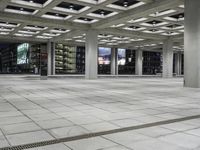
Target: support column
(51, 57)
(139, 62)
(91, 54)
(178, 64)
(168, 58)
(114, 61)
(192, 44)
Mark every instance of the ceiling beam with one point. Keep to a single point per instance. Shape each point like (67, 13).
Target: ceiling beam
(15, 39)
(133, 34)
(34, 20)
(138, 12)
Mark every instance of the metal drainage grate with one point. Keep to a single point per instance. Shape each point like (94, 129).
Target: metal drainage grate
(96, 134)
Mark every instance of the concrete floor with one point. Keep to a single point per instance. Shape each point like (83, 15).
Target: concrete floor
(32, 111)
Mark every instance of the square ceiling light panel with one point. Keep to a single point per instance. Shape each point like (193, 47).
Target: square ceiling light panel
(173, 27)
(125, 4)
(154, 23)
(134, 28)
(71, 8)
(20, 10)
(85, 20)
(100, 13)
(153, 31)
(32, 3)
(58, 16)
(176, 17)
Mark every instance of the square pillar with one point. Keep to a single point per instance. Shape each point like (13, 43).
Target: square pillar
(192, 44)
(114, 61)
(91, 54)
(168, 58)
(178, 63)
(139, 62)
(51, 57)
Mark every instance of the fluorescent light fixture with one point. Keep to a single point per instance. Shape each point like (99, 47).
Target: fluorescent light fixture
(158, 14)
(68, 39)
(169, 34)
(59, 31)
(28, 32)
(6, 29)
(43, 37)
(135, 40)
(26, 3)
(175, 28)
(35, 28)
(153, 32)
(23, 35)
(4, 33)
(118, 25)
(132, 29)
(92, 1)
(174, 19)
(19, 11)
(56, 17)
(86, 22)
(102, 16)
(50, 34)
(181, 30)
(154, 25)
(83, 41)
(137, 20)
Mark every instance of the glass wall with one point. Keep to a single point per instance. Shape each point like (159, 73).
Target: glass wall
(126, 61)
(104, 58)
(152, 63)
(69, 60)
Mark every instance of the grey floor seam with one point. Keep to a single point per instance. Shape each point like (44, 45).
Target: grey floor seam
(96, 134)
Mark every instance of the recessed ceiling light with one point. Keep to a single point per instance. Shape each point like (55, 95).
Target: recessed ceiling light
(125, 4)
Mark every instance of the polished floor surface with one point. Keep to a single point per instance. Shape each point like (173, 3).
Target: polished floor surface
(33, 110)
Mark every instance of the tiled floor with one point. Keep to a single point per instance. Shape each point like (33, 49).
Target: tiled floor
(32, 110)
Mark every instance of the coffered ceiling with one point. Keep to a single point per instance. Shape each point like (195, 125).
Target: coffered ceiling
(121, 23)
